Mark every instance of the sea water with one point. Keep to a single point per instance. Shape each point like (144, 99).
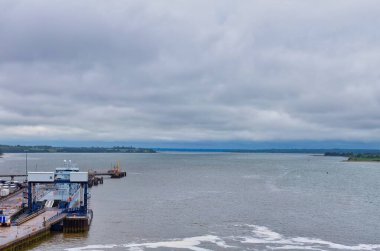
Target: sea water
(222, 201)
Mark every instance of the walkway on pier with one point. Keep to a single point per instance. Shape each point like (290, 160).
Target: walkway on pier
(10, 234)
(10, 205)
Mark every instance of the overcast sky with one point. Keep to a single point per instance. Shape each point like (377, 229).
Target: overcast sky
(190, 70)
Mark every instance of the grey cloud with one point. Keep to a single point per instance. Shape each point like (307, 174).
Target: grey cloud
(214, 70)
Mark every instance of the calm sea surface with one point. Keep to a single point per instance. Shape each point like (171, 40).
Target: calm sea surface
(222, 201)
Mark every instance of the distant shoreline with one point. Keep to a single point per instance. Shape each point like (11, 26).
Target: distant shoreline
(362, 160)
(352, 155)
(319, 152)
(373, 156)
(52, 149)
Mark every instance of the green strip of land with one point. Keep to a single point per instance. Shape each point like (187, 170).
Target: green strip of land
(359, 157)
(375, 159)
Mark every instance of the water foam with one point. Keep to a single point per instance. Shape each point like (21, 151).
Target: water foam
(93, 247)
(274, 240)
(260, 238)
(191, 243)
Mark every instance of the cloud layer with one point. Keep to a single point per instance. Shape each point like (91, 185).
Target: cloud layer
(190, 70)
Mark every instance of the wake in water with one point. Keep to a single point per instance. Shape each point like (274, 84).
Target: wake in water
(275, 241)
(261, 238)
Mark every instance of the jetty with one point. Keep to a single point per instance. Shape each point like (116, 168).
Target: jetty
(96, 177)
(48, 201)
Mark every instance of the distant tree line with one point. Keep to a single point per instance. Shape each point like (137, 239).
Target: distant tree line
(373, 155)
(342, 154)
(353, 152)
(52, 149)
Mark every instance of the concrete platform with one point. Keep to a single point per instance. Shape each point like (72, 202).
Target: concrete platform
(31, 228)
(12, 233)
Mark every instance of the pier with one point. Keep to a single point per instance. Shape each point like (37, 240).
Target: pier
(35, 209)
(96, 177)
(17, 236)
(28, 219)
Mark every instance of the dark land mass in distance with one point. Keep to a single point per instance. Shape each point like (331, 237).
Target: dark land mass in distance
(373, 155)
(351, 154)
(321, 151)
(52, 149)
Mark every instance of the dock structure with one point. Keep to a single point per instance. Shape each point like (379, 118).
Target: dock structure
(114, 173)
(96, 177)
(49, 201)
(17, 236)
(25, 225)
(111, 173)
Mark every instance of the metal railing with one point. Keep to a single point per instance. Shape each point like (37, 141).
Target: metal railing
(59, 216)
(27, 216)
